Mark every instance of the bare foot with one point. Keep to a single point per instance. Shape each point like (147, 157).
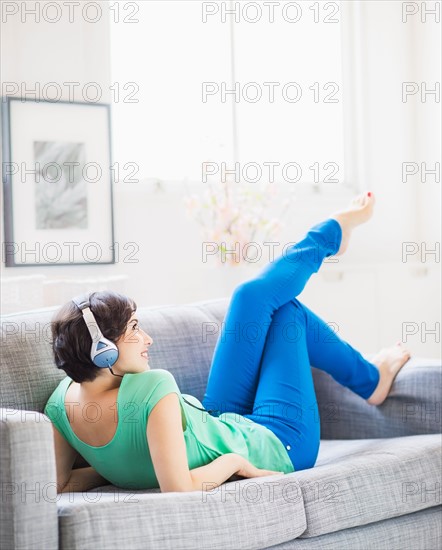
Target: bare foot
(359, 211)
(389, 362)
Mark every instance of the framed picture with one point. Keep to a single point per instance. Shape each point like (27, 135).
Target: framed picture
(58, 204)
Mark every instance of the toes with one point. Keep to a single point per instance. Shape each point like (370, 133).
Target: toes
(404, 351)
(359, 201)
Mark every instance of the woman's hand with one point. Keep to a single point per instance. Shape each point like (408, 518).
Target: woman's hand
(248, 470)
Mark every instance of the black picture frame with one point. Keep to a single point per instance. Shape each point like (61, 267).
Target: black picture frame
(58, 212)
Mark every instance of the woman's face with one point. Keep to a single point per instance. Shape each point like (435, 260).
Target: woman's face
(132, 347)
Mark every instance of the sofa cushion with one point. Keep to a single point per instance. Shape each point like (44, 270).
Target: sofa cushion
(356, 482)
(353, 483)
(248, 513)
(420, 531)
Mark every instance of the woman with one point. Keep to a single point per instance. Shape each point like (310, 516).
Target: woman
(135, 428)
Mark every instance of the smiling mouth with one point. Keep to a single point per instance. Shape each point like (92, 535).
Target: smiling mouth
(145, 355)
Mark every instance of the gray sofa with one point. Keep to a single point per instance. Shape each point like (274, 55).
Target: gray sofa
(376, 483)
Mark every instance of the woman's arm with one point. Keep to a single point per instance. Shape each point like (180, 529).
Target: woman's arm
(83, 479)
(217, 472)
(167, 446)
(222, 469)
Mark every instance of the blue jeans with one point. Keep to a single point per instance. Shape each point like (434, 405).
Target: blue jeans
(261, 366)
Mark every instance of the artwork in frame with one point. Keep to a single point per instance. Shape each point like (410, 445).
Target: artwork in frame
(57, 183)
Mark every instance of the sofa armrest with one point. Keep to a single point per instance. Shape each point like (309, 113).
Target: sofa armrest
(413, 406)
(28, 511)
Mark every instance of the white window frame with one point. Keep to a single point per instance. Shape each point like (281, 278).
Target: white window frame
(354, 116)
(354, 120)
(353, 57)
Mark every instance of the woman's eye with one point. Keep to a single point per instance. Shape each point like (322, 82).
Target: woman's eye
(135, 326)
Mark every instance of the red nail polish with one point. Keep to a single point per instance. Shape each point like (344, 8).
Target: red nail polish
(369, 194)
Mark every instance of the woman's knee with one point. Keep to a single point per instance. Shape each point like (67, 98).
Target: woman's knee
(289, 321)
(250, 289)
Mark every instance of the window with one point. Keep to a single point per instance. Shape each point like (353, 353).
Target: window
(286, 119)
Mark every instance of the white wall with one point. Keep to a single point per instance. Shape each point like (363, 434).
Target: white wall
(377, 281)
(426, 48)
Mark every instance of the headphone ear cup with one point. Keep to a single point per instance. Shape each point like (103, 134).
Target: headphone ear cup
(104, 353)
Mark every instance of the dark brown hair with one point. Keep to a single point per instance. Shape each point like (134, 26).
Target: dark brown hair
(71, 340)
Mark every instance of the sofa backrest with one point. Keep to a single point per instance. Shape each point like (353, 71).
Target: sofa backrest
(184, 340)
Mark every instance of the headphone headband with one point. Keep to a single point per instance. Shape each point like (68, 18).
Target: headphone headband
(83, 300)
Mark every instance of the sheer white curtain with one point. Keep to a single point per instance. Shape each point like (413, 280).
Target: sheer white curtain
(169, 132)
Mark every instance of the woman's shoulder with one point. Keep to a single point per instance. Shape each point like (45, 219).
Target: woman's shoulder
(148, 382)
(145, 389)
(149, 376)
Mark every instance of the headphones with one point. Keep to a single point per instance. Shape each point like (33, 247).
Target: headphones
(104, 353)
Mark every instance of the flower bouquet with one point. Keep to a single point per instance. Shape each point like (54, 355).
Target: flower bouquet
(234, 219)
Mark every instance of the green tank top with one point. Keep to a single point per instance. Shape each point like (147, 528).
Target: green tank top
(126, 462)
